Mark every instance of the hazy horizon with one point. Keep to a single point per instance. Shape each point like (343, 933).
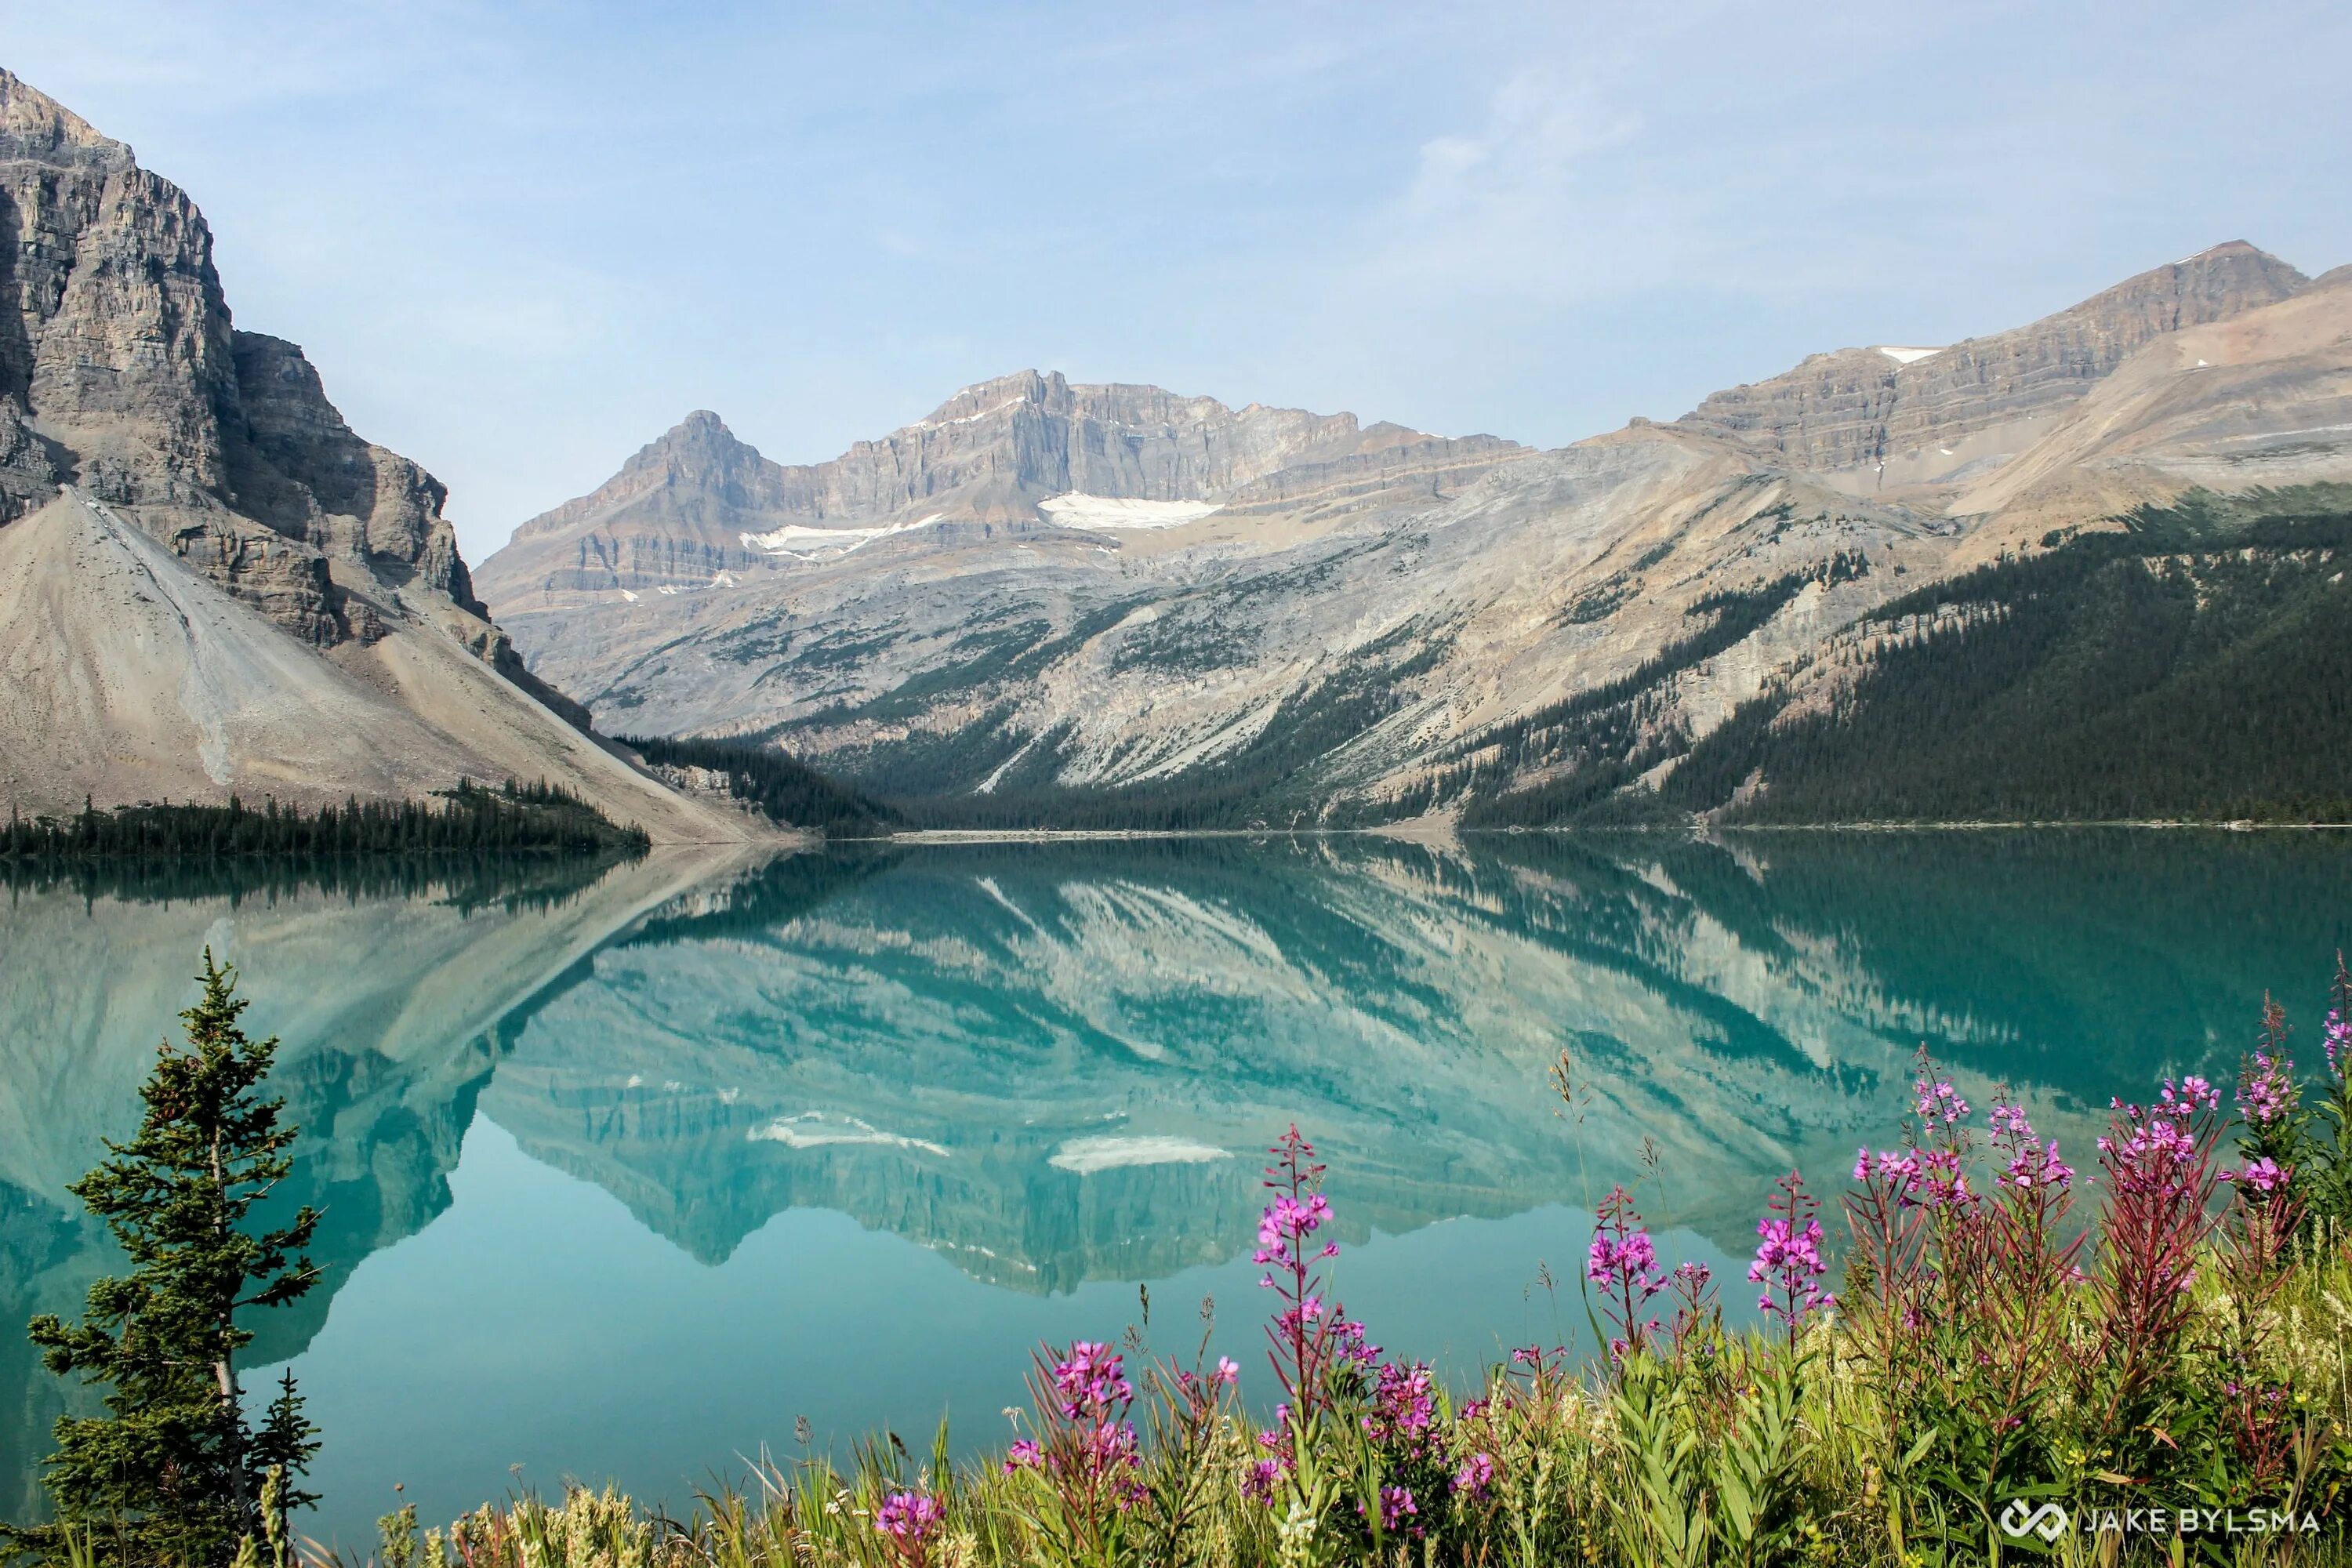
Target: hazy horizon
(520, 244)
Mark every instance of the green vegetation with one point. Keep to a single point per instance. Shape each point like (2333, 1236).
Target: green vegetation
(460, 880)
(1998, 1376)
(782, 788)
(471, 817)
(1994, 1382)
(176, 1471)
(2194, 664)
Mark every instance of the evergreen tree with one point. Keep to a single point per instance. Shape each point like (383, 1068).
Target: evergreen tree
(176, 1471)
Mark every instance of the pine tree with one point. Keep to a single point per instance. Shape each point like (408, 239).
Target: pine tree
(176, 1471)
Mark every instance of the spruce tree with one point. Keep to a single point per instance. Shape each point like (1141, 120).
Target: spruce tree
(176, 1471)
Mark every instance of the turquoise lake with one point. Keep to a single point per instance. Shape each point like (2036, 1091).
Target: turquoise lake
(625, 1172)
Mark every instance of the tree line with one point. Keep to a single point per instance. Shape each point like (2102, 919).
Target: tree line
(471, 817)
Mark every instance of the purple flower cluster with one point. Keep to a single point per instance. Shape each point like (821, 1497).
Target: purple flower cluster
(2336, 1039)
(1630, 1263)
(2267, 1091)
(1086, 1439)
(2030, 1163)
(908, 1518)
(1475, 1478)
(1789, 1262)
(2163, 1133)
(1623, 1262)
(1287, 1220)
(1264, 1474)
(2264, 1176)
(1939, 1105)
(1396, 1506)
(1404, 1406)
(1091, 1380)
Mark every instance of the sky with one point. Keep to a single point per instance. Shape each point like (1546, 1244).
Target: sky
(520, 240)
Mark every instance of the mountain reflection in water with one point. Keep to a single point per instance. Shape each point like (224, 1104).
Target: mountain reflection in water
(1053, 1067)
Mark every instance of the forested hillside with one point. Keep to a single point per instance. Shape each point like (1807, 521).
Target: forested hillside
(782, 788)
(2194, 664)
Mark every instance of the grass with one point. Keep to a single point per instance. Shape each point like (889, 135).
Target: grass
(1999, 1379)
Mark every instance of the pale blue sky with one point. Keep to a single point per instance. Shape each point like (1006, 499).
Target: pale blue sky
(520, 240)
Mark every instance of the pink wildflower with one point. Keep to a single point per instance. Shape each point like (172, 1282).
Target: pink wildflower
(910, 1518)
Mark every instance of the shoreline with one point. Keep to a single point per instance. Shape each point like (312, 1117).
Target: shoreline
(1696, 829)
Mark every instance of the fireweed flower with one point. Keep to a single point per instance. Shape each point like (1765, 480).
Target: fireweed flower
(1312, 1339)
(910, 1518)
(1089, 1380)
(1404, 1406)
(1939, 1106)
(1623, 1262)
(1943, 1182)
(2266, 1176)
(1396, 1506)
(1475, 1475)
(2267, 1091)
(1085, 1445)
(1789, 1262)
(1265, 1474)
(2030, 1162)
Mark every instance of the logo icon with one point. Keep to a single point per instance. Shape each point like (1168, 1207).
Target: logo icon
(2020, 1519)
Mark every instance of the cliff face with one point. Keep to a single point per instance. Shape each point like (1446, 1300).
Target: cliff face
(1285, 617)
(1901, 407)
(207, 581)
(698, 502)
(122, 372)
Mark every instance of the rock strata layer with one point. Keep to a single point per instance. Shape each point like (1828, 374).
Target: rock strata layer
(1046, 593)
(212, 584)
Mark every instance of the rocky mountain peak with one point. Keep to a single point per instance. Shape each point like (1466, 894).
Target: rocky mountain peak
(699, 446)
(1910, 416)
(1046, 390)
(38, 128)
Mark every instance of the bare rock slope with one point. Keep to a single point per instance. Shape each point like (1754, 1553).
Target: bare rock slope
(208, 582)
(1063, 593)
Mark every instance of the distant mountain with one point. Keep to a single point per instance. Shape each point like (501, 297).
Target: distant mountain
(208, 582)
(1929, 414)
(1109, 606)
(1023, 454)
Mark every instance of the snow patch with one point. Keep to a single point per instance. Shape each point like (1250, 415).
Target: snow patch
(816, 1130)
(629, 596)
(1907, 356)
(1078, 510)
(967, 418)
(1085, 1156)
(806, 543)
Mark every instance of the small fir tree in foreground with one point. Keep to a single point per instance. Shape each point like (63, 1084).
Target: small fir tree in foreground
(176, 1471)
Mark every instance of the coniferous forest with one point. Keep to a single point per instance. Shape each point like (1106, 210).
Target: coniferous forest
(470, 817)
(782, 788)
(2194, 664)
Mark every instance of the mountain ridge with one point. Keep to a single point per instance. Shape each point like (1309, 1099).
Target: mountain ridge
(1343, 639)
(208, 582)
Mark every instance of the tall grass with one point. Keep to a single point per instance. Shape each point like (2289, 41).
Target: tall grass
(1994, 1380)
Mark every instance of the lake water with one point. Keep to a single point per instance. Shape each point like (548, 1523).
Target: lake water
(624, 1174)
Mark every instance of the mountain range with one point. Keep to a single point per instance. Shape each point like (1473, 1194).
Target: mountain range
(1111, 605)
(208, 583)
(1059, 604)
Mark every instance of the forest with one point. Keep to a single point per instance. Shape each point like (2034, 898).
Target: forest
(2194, 664)
(470, 817)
